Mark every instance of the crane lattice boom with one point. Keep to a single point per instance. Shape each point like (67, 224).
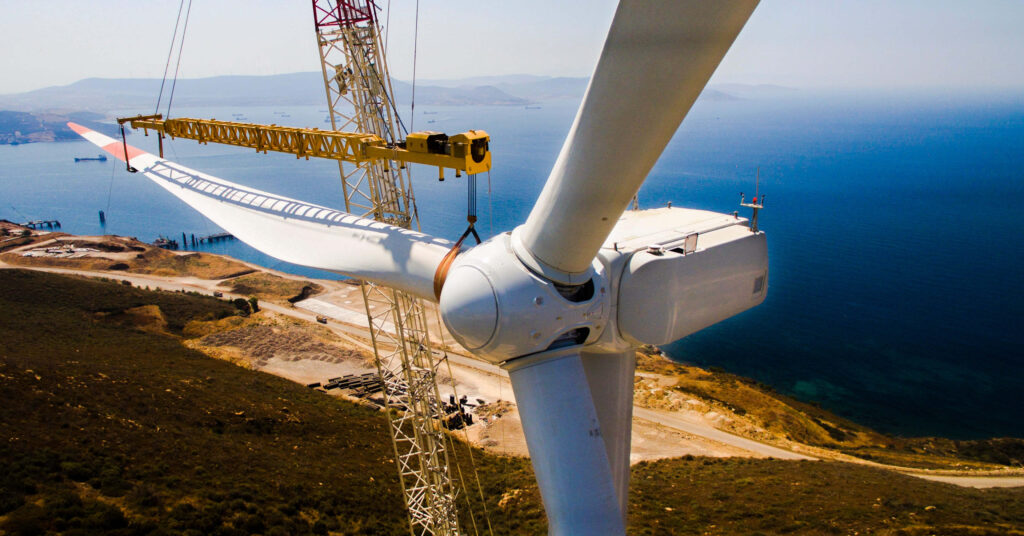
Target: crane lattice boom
(467, 152)
(358, 90)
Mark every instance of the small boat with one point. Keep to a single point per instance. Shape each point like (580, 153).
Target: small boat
(98, 158)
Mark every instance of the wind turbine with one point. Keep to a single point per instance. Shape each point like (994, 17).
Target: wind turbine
(563, 300)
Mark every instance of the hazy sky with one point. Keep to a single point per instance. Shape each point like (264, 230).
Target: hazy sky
(799, 43)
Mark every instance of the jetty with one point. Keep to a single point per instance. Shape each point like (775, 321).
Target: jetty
(39, 224)
(208, 239)
(218, 237)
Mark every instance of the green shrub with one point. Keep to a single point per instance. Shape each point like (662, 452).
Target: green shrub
(242, 305)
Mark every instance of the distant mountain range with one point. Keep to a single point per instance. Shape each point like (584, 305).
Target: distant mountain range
(39, 115)
(105, 94)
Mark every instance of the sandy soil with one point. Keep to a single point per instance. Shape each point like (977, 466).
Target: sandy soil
(308, 371)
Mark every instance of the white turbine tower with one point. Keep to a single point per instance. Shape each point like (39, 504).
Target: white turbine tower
(563, 300)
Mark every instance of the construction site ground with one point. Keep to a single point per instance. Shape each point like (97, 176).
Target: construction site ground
(286, 340)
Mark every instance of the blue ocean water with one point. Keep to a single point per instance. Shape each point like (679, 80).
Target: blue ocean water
(895, 294)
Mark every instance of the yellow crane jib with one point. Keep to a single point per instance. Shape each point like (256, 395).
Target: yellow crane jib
(467, 152)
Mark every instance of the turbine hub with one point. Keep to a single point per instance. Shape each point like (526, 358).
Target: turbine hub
(498, 309)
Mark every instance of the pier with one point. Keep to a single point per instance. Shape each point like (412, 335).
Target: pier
(218, 237)
(186, 239)
(208, 239)
(39, 224)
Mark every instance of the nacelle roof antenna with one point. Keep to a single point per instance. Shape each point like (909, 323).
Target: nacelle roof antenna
(755, 204)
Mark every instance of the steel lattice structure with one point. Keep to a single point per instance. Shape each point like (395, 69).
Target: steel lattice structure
(358, 89)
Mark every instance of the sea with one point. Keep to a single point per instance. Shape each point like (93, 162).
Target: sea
(894, 223)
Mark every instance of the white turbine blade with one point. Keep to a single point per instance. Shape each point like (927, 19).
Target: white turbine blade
(568, 453)
(656, 60)
(610, 377)
(295, 231)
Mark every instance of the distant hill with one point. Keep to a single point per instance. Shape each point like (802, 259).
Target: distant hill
(27, 127)
(40, 115)
(106, 94)
(455, 96)
(543, 88)
(496, 80)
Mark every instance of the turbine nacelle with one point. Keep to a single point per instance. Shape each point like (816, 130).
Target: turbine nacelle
(661, 275)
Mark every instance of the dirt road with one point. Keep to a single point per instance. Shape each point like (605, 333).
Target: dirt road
(678, 422)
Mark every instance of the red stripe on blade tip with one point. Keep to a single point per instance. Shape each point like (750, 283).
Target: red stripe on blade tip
(117, 149)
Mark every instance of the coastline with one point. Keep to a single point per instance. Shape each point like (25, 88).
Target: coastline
(677, 414)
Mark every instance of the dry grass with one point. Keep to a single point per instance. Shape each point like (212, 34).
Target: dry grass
(269, 286)
(259, 338)
(751, 409)
(144, 317)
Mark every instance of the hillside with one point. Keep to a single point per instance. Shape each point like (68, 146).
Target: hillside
(116, 428)
(113, 426)
(295, 89)
(755, 410)
(25, 127)
(105, 94)
(41, 115)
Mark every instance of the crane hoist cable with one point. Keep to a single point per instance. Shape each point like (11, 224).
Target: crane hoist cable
(394, 107)
(392, 136)
(387, 29)
(415, 49)
(170, 53)
(110, 187)
(178, 63)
